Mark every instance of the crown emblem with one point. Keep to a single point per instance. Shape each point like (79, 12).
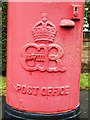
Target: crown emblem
(44, 30)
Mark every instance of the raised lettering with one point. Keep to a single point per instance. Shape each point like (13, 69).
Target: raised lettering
(67, 90)
(50, 89)
(43, 91)
(35, 90)
(44, 57)
(23, 89)
(18, 87)
(29, 90)
(55, 91)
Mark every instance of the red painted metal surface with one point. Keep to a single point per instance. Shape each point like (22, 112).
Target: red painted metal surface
(44, 56)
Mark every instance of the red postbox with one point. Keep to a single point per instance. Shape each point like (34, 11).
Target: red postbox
(44, 59)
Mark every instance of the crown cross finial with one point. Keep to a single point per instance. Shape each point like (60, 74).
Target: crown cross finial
(44, 17)
(44, 30)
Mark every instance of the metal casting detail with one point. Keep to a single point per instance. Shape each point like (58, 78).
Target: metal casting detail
(37, 56)
(44, 30)
(43, 91)
(19, 99)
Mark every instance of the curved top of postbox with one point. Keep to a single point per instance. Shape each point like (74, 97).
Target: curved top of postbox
(46, 0)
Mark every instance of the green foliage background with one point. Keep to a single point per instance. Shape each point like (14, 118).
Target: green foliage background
(4, 36)
(4, 31)
(87, 9)
(0, 38)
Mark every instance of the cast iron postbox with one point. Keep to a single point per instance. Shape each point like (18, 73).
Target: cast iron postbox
(44, 59)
